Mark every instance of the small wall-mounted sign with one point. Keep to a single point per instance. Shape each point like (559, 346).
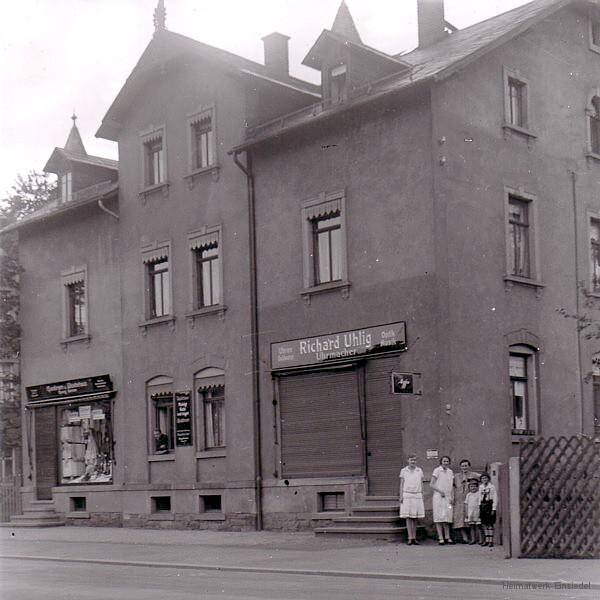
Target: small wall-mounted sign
(406, 383)
(431, 454)
(183, 418)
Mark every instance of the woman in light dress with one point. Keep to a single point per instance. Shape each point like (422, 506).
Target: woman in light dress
(461, 487)
(411, 497)
(442, 484)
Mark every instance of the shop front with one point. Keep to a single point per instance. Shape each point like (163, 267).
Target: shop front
(339, 405)
(72, 426)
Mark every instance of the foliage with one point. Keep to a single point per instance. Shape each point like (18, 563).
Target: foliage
(29, 193)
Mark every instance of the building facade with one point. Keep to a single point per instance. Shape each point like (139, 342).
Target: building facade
(290, 288)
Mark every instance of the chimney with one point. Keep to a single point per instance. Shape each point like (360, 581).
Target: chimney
(276, 54)
(430, 15)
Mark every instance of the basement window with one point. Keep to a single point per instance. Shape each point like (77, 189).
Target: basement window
(78, 503)
(332, 502)
(211, 503)
(161, 504)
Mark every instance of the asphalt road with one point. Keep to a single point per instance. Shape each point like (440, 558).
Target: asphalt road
(34, 579)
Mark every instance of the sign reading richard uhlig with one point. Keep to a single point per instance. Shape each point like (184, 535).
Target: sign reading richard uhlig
(339, 346)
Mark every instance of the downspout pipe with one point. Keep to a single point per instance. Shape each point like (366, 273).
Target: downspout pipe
(107, 210)
(247, 170)
(578, 299)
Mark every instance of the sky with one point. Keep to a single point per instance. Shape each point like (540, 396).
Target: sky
(60, 56)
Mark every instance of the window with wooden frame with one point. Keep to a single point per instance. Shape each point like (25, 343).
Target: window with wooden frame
(161, 438)
(324, 240)
(593, 113)
(202, 140)
(338, 83)
(519, 262)
(154, 158)
(595, 33)
(523, 389)
(595, 255)
(211, 408)
(517, 114)
(157, 275)
(66, 186)
(75, 303)
(517, 103)
(207, 271)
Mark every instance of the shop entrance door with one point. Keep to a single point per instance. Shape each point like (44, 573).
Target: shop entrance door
(384, 433)
(46, 457)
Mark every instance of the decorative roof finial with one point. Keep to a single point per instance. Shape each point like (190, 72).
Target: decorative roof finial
(74, 143)
(160, 16)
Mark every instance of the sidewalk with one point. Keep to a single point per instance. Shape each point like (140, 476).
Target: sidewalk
(290, 552)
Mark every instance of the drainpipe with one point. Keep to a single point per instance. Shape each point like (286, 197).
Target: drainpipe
(577, 297)
(106, 210)
(247, 170)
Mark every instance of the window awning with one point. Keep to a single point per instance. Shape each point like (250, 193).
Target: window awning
(72, 399)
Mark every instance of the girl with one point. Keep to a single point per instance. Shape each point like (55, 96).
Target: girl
(411, 497)
(442, 484)
(471, 510)
(488, 501)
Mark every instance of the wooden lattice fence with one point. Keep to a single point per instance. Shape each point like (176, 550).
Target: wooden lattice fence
(560, 498)
(10, 497)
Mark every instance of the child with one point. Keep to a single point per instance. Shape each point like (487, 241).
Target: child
(411, 497)
(472, 510)
(488, 501)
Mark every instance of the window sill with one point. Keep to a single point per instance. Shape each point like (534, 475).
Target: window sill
(84, 337)
(509, 129)
(160, 457)
(521, 434)
(166, 516)
(199, 173)
(592, 156)
(218, 309)
(216, 516)
(167, 320)
(154, 189)
(79, 514)
(594, 48)
(511, 280)
(212, 453)
(332, 286)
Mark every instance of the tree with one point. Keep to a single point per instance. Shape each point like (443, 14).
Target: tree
(29, 193)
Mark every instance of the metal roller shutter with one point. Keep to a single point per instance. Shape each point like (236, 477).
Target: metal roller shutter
(46, 449)
(321, 425)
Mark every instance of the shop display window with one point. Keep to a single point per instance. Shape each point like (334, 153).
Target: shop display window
(86, 443)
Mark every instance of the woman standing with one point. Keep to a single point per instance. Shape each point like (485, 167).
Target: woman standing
(461, 488)
(442, 484)
(411, 497)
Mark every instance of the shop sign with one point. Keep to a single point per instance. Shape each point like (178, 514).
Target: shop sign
(63, 390)
(335, 347)
(183, 418)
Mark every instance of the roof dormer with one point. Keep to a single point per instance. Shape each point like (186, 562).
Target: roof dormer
(346, 64)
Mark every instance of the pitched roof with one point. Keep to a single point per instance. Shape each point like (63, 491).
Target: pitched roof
(74, 143)
(167, 45)
(432, 63)
(89, 195)
(466, 45)
(344, 24)
(315, 54)
(62, 154)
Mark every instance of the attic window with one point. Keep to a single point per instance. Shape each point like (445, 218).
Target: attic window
(337, 84)
(66, 186)
(154, 158)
